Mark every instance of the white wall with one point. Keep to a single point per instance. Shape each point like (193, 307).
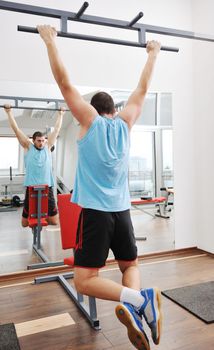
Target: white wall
(204, 125)
(119, 67)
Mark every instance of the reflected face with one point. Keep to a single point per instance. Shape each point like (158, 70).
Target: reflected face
(39, 142)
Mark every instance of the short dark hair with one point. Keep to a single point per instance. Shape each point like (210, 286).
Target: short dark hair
(103, 103)
(37, 134)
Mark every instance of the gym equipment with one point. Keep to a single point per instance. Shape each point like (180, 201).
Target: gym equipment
(16, 201)
(169, 192)
(66, 16)
(6, 200)
(69, 216)
(20, 99)
(7, 203)
(157, 201)
(38, 213)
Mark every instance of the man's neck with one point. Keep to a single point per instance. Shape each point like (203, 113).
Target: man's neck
(110, 116)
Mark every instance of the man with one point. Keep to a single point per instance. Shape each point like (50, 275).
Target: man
(38, 163)
(101, 189)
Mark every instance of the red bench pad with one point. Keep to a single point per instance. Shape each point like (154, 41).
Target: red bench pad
(69, 261)
(148, 201)
(69, 216)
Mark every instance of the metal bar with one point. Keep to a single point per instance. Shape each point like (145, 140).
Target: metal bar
(92, 307)
(37, 99)
(40, 253)
(34, 231)
(140, 238)
(177, 33)
(39, 207)
(80, 298)
(5, 209)
(35, 215)
(54, 13)
(45, 264)
(32, 10)
(63, 24)
(81, 305)
(138, 207)
(51, 278)
(97, 39)
(82, 9)
(36, 108)
(139, 16)
(161, 211)
(21, 99)
(142, 36)
(90, 312)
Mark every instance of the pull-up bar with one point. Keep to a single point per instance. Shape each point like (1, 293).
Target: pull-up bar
(17, 100)
(66, 16)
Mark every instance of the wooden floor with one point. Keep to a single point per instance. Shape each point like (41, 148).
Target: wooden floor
(25, 302)
(16, 242)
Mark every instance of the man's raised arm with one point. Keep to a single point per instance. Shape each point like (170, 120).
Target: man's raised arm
(53, 135)
(134, 105)
(81, 110)
(22, 138)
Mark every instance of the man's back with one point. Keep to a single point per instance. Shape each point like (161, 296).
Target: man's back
(101, 178)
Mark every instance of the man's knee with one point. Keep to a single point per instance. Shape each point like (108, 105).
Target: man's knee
(80, 285)
(53, 220)
(83, 278)
(125, 265)
(25, 222)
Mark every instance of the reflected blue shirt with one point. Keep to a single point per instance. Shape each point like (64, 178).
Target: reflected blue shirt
(101, 180)
(38, 164)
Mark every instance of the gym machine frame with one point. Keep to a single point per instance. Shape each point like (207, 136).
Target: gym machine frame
(89, 311)
(66, 16)
(69, 217)
(37, 229)
(20, 99)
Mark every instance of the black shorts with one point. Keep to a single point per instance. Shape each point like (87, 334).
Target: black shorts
(99, 231)
(52, 209)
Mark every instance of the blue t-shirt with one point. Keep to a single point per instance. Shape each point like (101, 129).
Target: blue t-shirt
(38, 164)
(101, 181)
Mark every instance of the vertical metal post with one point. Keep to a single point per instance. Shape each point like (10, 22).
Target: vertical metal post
(80, 298)
(34, 235)
(64, 25)
(92, 307)
(142, 36)
(39, 209)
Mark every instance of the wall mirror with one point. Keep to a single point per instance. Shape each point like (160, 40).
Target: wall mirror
(150, 175)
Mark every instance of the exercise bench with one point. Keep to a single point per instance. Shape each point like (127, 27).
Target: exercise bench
(69, 217)
(157, 201)
(169, 193)
(37, 219)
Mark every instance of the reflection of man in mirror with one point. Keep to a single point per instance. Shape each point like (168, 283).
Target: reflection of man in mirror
(101, 189)
(38, 163)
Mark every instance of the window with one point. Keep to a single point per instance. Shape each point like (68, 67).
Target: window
(167, 159)
(165, 109)
(141, 163)
(149, 113)
(9, 153)
(151, 153)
